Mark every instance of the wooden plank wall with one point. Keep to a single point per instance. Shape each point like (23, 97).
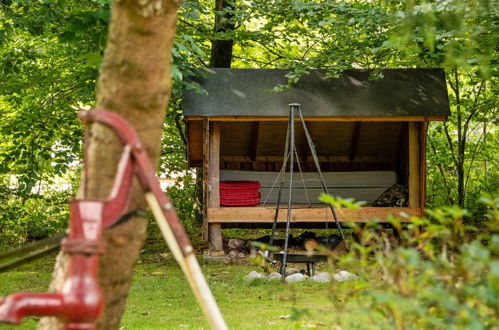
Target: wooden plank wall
(348, 146)
(341, 146)
(195, 147)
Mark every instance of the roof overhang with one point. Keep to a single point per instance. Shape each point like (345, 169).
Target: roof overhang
(243, 94)
(319, 118)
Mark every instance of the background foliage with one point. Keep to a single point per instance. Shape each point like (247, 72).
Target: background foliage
(445, 276)
(50, 52)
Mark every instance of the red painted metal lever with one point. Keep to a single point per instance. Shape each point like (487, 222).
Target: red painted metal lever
(80, 302)
(144, 169)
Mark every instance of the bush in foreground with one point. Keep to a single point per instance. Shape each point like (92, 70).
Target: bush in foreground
(442, 274)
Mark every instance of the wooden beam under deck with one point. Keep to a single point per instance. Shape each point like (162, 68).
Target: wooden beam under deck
(316, 214)
(320, 118)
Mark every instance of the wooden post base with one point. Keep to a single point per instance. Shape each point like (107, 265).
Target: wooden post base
(215, 237)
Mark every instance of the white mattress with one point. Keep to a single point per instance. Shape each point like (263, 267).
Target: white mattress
(363, 186)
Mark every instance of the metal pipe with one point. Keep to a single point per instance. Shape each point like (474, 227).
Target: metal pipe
(80, 301)
(302, 178)
(279, 193)
(292, 108)
(276, 215)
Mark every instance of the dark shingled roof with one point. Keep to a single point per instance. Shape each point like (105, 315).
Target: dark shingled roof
(241, 92)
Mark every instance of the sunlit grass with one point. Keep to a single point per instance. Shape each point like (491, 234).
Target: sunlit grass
(160, 297)
(31, 277)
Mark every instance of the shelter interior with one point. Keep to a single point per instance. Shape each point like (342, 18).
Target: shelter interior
(359, 159)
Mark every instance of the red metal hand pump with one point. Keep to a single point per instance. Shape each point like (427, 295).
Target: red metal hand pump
(80, 302)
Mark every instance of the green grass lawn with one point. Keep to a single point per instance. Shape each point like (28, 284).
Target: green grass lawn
(31, 277)
(160, 297)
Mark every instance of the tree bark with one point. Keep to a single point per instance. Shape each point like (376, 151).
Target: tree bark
(221, 49)
(135, 83)
(461, 143)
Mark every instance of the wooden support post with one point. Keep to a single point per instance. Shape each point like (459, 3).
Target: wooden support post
(422, 179)
(214, 229)
(414, 165)
(206, 155)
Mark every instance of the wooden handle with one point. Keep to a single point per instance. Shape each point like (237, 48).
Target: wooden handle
(189, 264)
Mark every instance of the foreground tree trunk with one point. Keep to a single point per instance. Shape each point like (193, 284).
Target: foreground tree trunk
(135, 83)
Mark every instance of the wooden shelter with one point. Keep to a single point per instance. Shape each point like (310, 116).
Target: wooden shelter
(369, 134)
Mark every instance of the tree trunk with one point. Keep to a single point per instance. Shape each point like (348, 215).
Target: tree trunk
(484, 132)
(221, 49)
(135, 83)
(461, 143)
(220, 57)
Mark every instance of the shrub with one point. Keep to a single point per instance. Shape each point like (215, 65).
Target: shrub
(29, 217)
(439, 276)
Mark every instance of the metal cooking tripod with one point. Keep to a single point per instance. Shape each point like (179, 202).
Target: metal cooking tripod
(289, 153)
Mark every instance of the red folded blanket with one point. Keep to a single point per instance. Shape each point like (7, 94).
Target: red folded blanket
(239, 193)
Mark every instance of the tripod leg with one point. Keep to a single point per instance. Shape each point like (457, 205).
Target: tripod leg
(317, 165)
(302, 178)
(283, 169)
(291, 163)
(276, 215)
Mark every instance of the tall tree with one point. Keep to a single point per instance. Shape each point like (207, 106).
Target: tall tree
(221, 47)
(135, 83)
(461, 36)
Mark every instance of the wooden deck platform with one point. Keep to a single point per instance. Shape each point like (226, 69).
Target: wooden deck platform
(318, 214)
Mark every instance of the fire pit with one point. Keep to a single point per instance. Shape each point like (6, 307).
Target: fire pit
(302, 258)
